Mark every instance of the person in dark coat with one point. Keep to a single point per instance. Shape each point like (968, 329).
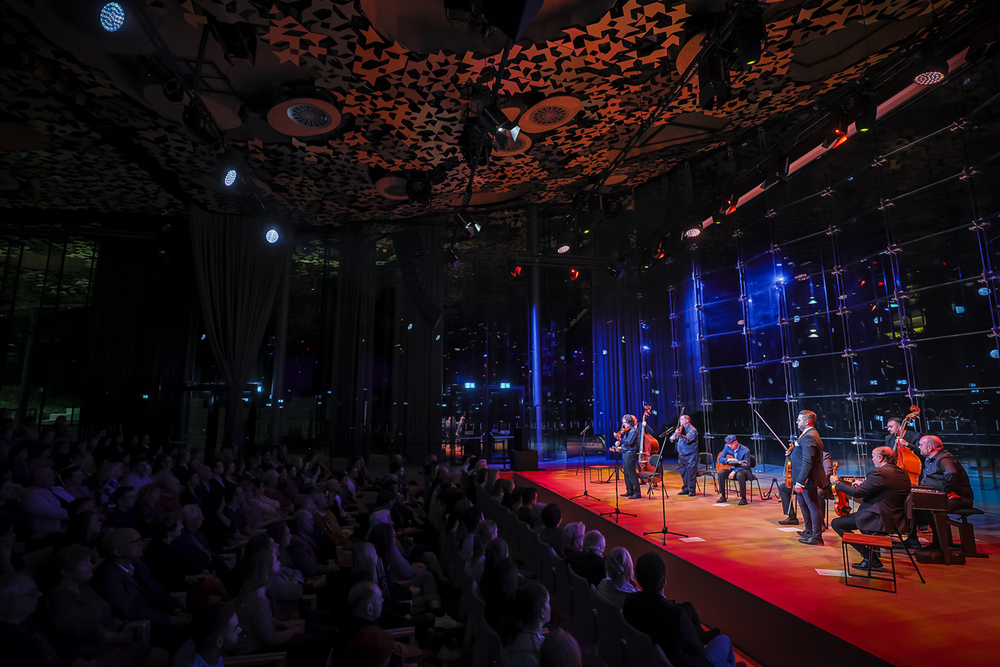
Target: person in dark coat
(808, 476)
(882, 510)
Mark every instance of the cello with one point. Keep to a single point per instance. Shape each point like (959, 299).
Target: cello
(905, 458)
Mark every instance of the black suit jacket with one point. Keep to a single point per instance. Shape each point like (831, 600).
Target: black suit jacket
(133, 597)
(807, 460)
(883, 495)
(668, 626)
(589, 566)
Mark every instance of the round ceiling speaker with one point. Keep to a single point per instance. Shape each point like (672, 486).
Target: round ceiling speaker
(303, 117)
(521, 145)
(392, 187)
(550, 113)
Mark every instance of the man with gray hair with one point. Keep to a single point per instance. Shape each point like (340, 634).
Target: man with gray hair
(883, 493)
(589, 564)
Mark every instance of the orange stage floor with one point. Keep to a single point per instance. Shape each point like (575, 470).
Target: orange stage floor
(766, 591)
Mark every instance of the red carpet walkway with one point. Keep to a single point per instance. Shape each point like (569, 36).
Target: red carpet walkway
(763, 587)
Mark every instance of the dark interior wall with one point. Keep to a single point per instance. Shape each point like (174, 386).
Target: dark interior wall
(863, 286)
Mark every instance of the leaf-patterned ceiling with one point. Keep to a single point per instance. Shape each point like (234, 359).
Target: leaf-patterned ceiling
(94, 131)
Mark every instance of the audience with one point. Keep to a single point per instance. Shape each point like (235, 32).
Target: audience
(258, 627)
(589, 564)
(521, 631)
(618, 583)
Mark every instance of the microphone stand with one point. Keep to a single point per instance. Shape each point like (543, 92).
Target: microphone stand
(585, 494)
(663, 532)
(616, 512)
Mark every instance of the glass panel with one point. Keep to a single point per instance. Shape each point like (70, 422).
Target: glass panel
(725, 350)
(765, 344)
(730, 384)
(820, 375)
(769, 380)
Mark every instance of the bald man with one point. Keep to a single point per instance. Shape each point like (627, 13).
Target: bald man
(22, 644)
(944, 472)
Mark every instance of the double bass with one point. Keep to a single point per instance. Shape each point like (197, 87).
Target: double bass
(905, 458)
(650, 446)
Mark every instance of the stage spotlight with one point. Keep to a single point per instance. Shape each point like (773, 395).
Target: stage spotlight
(230, 177)
(713, 82)
(503, 130)
(867, 112)
(573, 274)
(718, 217)
(471, 226)
(562, 243)
(836, 133)
(930, 69)
(750, 38)
(514, 269)
(112, 16)
(271, 235)
(729, 202)
(694, 232)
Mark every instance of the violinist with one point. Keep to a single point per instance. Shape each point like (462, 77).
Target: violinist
(686, 437)
(883, 493)
(734, 463)
(630, 454)
(808, 476)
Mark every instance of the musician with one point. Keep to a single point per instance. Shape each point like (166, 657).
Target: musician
(686, 437)
(944, 472)
(808, 476)
(883, 493)
(894, 426)
(630, 444)
(738, 457)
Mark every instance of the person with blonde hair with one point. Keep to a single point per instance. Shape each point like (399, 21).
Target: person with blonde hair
(618, 584)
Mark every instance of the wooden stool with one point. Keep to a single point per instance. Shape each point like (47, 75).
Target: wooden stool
(870, 541)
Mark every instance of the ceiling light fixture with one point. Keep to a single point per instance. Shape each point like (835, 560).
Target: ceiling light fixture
(271, 235)
(867, 112)
(112, 16)
(694, 232)
(230, 177)
(501, 128)
(930, 69)
(836, 133)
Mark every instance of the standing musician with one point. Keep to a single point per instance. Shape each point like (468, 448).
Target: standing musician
(882, 510)
(686, 437)
(736, 456)
(630, 454)
(944, 472)
(808, 475)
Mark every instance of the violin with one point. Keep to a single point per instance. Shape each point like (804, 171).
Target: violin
(841, 506)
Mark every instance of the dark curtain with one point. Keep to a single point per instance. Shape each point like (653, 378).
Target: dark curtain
(351, 372)
(238, 275)
(418, 369)
(617, 371)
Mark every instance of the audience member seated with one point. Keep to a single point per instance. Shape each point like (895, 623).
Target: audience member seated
(147, 509)
(551, 530)
(521, 630)
(485, 533)
(364, 607)
(669, 624)
(84, 621)
(42, 506)
(21, 641)
(573, 540)
(138, 476)
(302, 548)
(560, 650)
(85, 528)
(524, 513)
(618, 584)
(258, 627)
(189, 496)
(590, 563)
(497, 588)
(73, 486)
(170, 494)
(125, 582)
(123, 515)
(214, 632)
(272, 492)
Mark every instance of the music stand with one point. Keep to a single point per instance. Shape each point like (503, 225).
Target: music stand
(663, 532)
(616, 512)
(585, 494)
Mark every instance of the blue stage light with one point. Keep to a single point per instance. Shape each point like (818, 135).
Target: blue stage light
(112, 16)
(230, 178)
(271, 236)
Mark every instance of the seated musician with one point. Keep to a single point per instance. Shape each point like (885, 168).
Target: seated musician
(737, 458)
(883, 496)
(944, 472)
(897, 433)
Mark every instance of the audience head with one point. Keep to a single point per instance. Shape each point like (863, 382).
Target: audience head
(139, 465)
(43, 477)
(650, 572)
(528, 496)
(279, 532)
(573, 536)
(551, 515)
(149, 495)
(593, 543)
(383, 538)
(192, 517)
(365, 600)
(18, 597)
(124, 497)
(169, 526)
(260, 568)
(303, 522)
(124, 544)
(618, 565)
(74, 564)
(271, 478)
(496, 551)
(365, 561)
(84, 526)
(560, 650)
(531, 604)
(217, 628)
(171, 485)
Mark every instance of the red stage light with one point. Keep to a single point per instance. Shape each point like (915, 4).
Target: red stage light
(573, 274)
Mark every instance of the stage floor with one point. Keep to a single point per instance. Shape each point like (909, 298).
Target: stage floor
(953, 619)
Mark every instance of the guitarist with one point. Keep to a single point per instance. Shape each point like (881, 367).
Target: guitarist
(734, 463)
(630, 444)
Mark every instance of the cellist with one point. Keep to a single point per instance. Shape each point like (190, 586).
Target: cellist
(900, 436)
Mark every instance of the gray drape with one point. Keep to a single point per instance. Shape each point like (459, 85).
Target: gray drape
(238, 275)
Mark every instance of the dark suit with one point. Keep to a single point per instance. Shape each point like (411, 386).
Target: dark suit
(630, 455)
(302, 553)
(137, 596)
(807, 470)
(883, 504)
(668, 626)
(589, 566)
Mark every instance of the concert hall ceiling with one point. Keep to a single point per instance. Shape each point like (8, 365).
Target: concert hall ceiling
(333, 106)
